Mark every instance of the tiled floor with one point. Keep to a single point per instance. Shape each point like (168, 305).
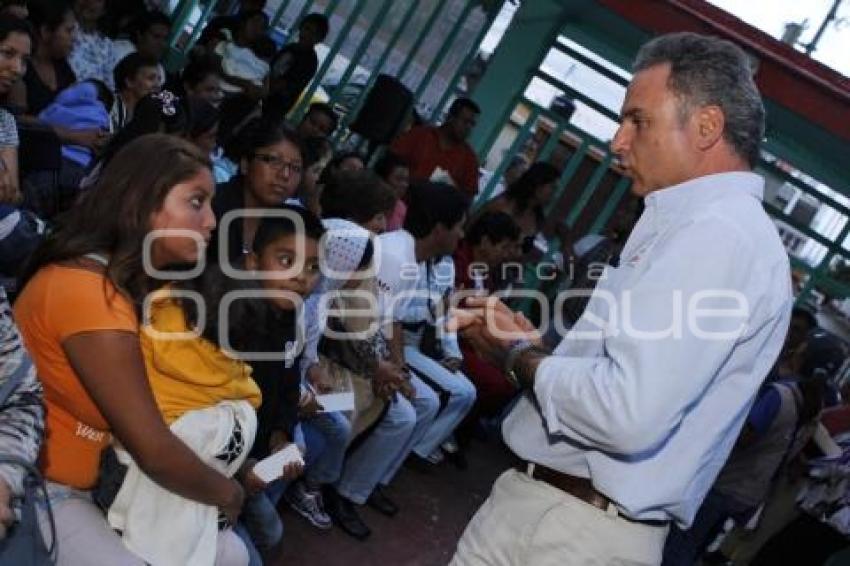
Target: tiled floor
(434, 511)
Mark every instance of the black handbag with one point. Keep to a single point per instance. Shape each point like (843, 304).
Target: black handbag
(24, 544)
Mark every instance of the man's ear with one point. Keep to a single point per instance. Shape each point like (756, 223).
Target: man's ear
(710, 123)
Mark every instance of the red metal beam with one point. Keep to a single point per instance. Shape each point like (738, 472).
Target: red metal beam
(786, 76)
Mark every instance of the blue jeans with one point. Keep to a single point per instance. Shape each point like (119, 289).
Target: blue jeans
(382, 453)
(457, 397)
(326, 436)
(260, 527)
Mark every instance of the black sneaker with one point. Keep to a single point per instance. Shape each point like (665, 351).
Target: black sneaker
(379, 501)
(344, 514)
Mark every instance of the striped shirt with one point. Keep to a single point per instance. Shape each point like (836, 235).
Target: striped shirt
(22, 414)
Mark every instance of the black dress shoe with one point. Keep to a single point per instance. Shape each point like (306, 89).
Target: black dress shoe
(419, 464)
(344, 514)
(381, 503)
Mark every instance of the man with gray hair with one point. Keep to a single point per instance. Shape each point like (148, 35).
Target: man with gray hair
(623, 428)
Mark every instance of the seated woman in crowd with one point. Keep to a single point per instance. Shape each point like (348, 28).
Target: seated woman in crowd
(79, 317)
(208, 399)
(93, 54)
(148, 36)
(159, 112)
(525, 198)
(201, 78)
(15, 39)
(48, 72)
(269, 174)
(136, 76)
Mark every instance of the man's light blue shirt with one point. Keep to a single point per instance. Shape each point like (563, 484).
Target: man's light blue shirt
(648, 391)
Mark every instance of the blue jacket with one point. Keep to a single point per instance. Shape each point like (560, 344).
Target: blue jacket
(77, 108)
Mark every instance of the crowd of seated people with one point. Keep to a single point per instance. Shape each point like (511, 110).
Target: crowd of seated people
(139, 396)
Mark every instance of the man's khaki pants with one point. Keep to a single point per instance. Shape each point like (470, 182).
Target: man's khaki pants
(526, 522)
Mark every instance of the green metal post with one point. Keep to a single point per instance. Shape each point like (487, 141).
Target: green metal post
(821, 269)
(444, 48)
(284, 4)
(522, 136)
(420, 38)
(298, 113)
(610, 206)
(484, 150)
(361, 49)
(373, 76)
(568, 173)
(552, 142)
(534, 29)
(184, 12)
(199, 26)
(589, 189)
(452, 86)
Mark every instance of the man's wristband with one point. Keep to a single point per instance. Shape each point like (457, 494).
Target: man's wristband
(515, 348)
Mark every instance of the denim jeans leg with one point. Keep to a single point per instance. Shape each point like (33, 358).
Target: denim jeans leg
(335, 430)
(456, 386)
(370, 462)
(426, 404)
(261, 521)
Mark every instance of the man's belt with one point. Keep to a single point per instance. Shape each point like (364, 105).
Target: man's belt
(580, 488)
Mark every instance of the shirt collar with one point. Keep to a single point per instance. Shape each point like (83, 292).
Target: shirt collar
(696, 193)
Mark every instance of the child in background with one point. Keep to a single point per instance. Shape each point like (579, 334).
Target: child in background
(287, 258)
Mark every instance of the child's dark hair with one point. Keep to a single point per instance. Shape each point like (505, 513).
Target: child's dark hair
(48, 14)
(129, 67)
(327, 110)
(199, 68)
(357, 196)
(497, 226)
(389, 163)
(318, 20)
(272, 228)
(332, 168)
(145, 21)
(433, 203)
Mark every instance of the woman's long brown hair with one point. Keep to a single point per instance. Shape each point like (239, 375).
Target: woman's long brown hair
(114, 217)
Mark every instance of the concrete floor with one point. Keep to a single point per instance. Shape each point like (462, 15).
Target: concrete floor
(435, 509)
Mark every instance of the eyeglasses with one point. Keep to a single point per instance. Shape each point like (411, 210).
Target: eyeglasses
(279, 164)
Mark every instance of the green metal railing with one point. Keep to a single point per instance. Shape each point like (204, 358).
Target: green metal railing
(448, 43)
(818, 275)
(361, 50)
(373, 76)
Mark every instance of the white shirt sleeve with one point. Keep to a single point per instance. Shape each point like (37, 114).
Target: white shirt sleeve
(630, 397)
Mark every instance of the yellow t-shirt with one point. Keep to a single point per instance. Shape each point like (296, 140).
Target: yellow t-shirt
(190, 373)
